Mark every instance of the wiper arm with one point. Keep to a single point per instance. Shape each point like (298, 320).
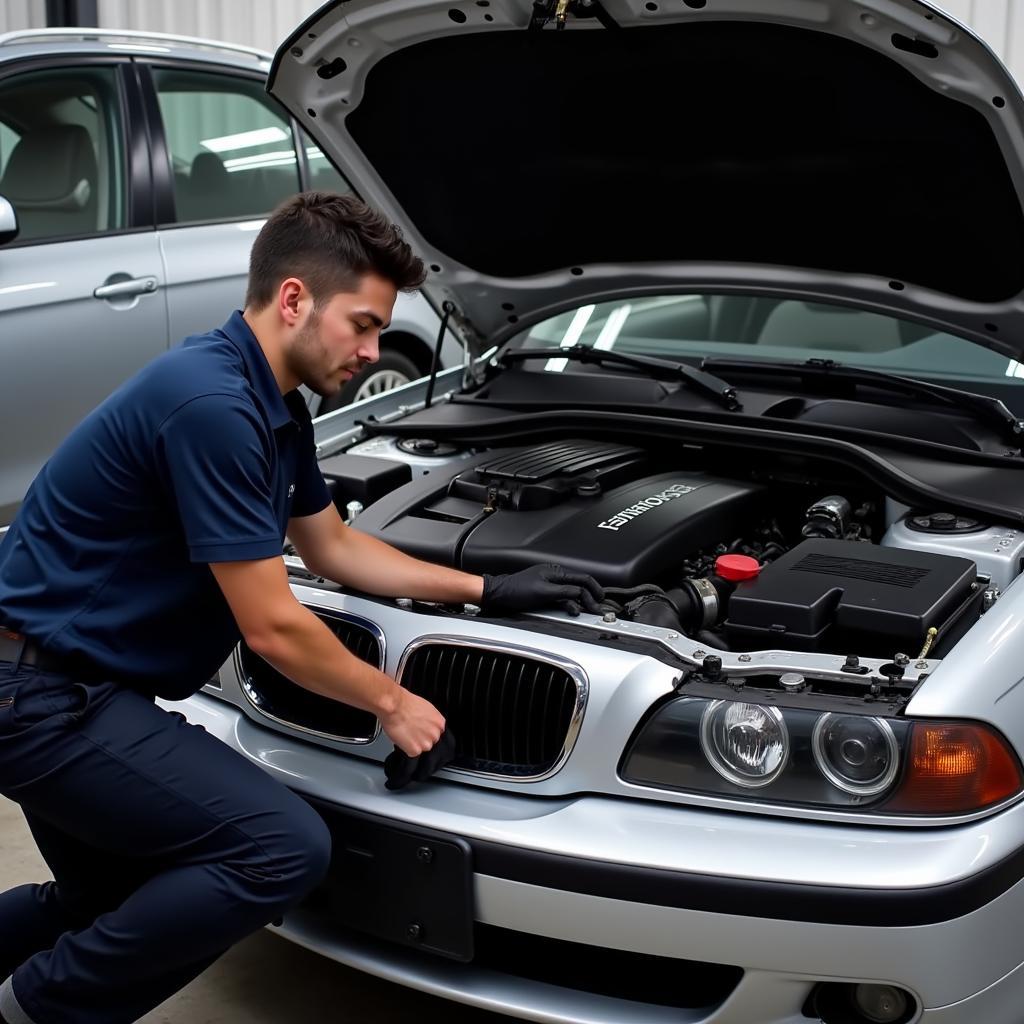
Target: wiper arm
(989, 411)
(697, 380)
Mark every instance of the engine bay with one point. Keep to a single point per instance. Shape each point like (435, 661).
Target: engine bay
(770, 558)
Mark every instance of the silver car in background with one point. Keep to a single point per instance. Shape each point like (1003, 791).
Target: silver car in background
(135, 171)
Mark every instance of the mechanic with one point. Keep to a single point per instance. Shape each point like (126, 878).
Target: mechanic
(148, 545)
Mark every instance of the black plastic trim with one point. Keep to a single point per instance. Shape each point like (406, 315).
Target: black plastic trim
(880, 469)
(162, 188)
(61, 61)
(741, 897)
(137, 147)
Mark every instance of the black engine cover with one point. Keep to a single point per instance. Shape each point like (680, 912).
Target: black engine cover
(589, 506)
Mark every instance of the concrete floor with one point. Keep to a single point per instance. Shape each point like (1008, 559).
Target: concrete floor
(264, 979)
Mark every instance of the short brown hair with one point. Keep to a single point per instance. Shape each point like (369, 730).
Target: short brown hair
(328, 241)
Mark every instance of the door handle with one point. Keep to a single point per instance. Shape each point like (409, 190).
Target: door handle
(124, 289)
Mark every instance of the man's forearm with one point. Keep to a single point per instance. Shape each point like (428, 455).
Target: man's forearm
(307, 652)
(300, 646)
(368, 564)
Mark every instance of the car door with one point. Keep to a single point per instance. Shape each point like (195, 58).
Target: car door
(228, 158)
(81, 284)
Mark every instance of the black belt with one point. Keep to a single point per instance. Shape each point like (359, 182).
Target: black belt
(18, 648)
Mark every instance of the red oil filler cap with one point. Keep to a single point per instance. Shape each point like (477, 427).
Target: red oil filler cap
(737, 567)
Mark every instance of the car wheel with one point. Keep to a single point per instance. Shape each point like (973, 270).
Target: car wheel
(390, 371)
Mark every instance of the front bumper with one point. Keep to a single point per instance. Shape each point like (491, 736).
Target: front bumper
(934, 911)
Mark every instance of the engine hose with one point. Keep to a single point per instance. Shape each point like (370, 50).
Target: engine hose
(617, 599)
(623, 595)
(467, 529)
(710, 638)
(655, 610)
(692, 607)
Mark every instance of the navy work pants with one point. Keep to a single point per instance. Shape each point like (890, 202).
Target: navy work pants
(166, 848)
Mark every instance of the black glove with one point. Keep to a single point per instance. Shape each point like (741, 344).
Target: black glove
(541, 586)
(401, 769)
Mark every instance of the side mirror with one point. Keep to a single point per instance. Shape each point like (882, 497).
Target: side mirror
(8, 222)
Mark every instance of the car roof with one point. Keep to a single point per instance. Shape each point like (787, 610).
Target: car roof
(63, 41)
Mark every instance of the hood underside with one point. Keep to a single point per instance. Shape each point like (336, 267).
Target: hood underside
(865, 152)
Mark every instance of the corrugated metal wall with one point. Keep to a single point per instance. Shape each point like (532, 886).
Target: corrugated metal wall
(264, 23)
(17, 14)
(999, 22)
(261, 23)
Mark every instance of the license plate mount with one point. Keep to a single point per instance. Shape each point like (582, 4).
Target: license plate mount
(407, 885)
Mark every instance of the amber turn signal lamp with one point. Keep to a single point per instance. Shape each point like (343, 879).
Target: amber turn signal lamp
(955, 768)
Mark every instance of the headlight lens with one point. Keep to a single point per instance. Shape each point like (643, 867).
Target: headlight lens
(857, 754)
(754, 750)
(745, 743)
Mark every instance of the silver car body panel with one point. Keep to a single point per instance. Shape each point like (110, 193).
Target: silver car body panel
(207, 266)
(980, 677)
(997, 551)
(387, 448)
(762, 996)
(52, 327)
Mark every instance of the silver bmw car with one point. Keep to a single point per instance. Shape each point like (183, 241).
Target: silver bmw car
(741, 289)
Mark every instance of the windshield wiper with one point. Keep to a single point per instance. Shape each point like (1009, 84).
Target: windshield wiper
(697, 380)
(989, 411)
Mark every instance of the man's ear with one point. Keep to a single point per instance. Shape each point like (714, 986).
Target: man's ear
(290, 298)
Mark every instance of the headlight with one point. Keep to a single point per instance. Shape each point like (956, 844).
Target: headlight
(768, 749)
(859, 755)
(745, 743)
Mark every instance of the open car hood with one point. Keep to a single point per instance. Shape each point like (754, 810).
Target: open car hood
(866, 152)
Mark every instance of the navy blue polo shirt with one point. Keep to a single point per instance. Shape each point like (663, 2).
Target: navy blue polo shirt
(196, 459)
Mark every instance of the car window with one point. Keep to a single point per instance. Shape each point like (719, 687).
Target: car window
(323, 175)
(754, 327)
(231, 148)
(61, 148)
(8, 140)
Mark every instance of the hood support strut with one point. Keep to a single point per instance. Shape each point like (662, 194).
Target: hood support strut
(448, 308)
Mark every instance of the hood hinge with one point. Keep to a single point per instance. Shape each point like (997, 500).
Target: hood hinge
(558, 11)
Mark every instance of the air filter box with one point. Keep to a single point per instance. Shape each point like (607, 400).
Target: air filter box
(848, 597)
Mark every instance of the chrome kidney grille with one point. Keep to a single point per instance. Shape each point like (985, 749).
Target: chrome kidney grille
(513, 715)
(276, 697)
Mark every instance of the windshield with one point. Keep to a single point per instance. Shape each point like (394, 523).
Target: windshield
(690, 327)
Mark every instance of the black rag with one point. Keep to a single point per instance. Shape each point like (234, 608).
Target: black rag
(401, 769)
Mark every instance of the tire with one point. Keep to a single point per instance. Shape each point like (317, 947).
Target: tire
(390, 371)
